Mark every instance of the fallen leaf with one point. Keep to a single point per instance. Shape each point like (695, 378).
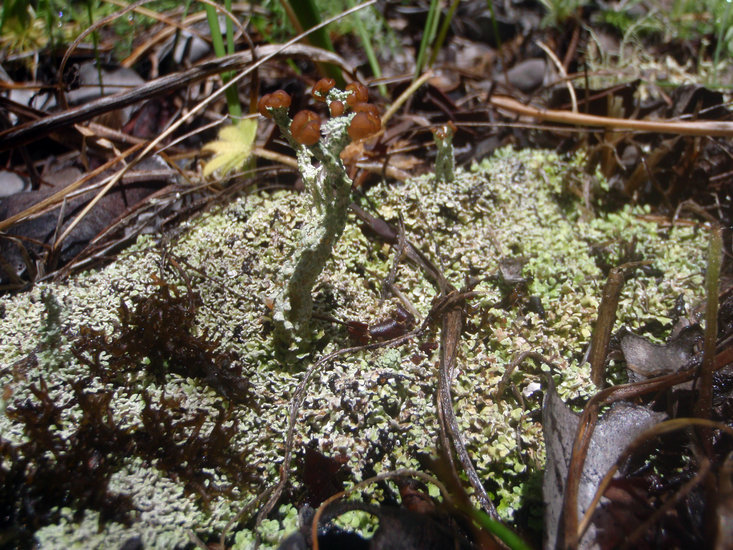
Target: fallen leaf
(233, 147)
(613, 433)
(646, 360)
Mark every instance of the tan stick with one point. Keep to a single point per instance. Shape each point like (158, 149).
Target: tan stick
(687, 128)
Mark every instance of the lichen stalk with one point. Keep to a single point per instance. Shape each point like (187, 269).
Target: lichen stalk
(445, 157)
(329, 188)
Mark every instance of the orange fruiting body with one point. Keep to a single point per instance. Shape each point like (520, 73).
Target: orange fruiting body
(446, 131)
(363, 125)
(306, 127)
(337, 108)
(366, 108)
(276, 99)
(322, 87)
(359, 93)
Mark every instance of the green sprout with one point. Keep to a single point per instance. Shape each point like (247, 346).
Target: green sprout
(235, 108)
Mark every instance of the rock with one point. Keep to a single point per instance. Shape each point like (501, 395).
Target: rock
(528, 75)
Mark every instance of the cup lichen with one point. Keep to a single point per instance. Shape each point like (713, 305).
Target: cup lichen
(329, 193)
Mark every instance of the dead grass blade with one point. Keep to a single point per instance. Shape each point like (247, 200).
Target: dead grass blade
(30, 131)
(57, 198)
(451, 329)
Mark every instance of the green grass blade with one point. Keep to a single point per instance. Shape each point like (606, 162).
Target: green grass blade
(229, 28)
(494, 26)
(232, 96)
(308, 16)
(366, 41)
(95, 44)
(431, 25)
(499, 530)
(722, 30)
(443, 32)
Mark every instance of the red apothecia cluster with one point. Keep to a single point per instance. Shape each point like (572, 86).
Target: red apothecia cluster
(306, 125)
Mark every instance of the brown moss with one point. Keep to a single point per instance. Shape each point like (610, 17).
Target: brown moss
(52, 470)
(160, 329)
(67, 462)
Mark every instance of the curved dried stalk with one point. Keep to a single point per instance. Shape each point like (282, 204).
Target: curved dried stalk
(563, 73)
(29, 131)
(585, 431)
(707, 128)
(452, 326)
(518, 360)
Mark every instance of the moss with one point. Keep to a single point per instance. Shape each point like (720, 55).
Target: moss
(515, 205)
(157, 333)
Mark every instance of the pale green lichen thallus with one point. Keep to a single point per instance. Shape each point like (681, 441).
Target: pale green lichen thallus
(523, 202)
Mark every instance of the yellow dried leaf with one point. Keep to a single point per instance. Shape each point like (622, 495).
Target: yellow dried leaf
(233, 148)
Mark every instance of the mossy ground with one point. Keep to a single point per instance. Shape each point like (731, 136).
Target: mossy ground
(378, 407)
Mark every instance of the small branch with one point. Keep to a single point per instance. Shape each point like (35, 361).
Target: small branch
(604, 325)
(606, 319)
